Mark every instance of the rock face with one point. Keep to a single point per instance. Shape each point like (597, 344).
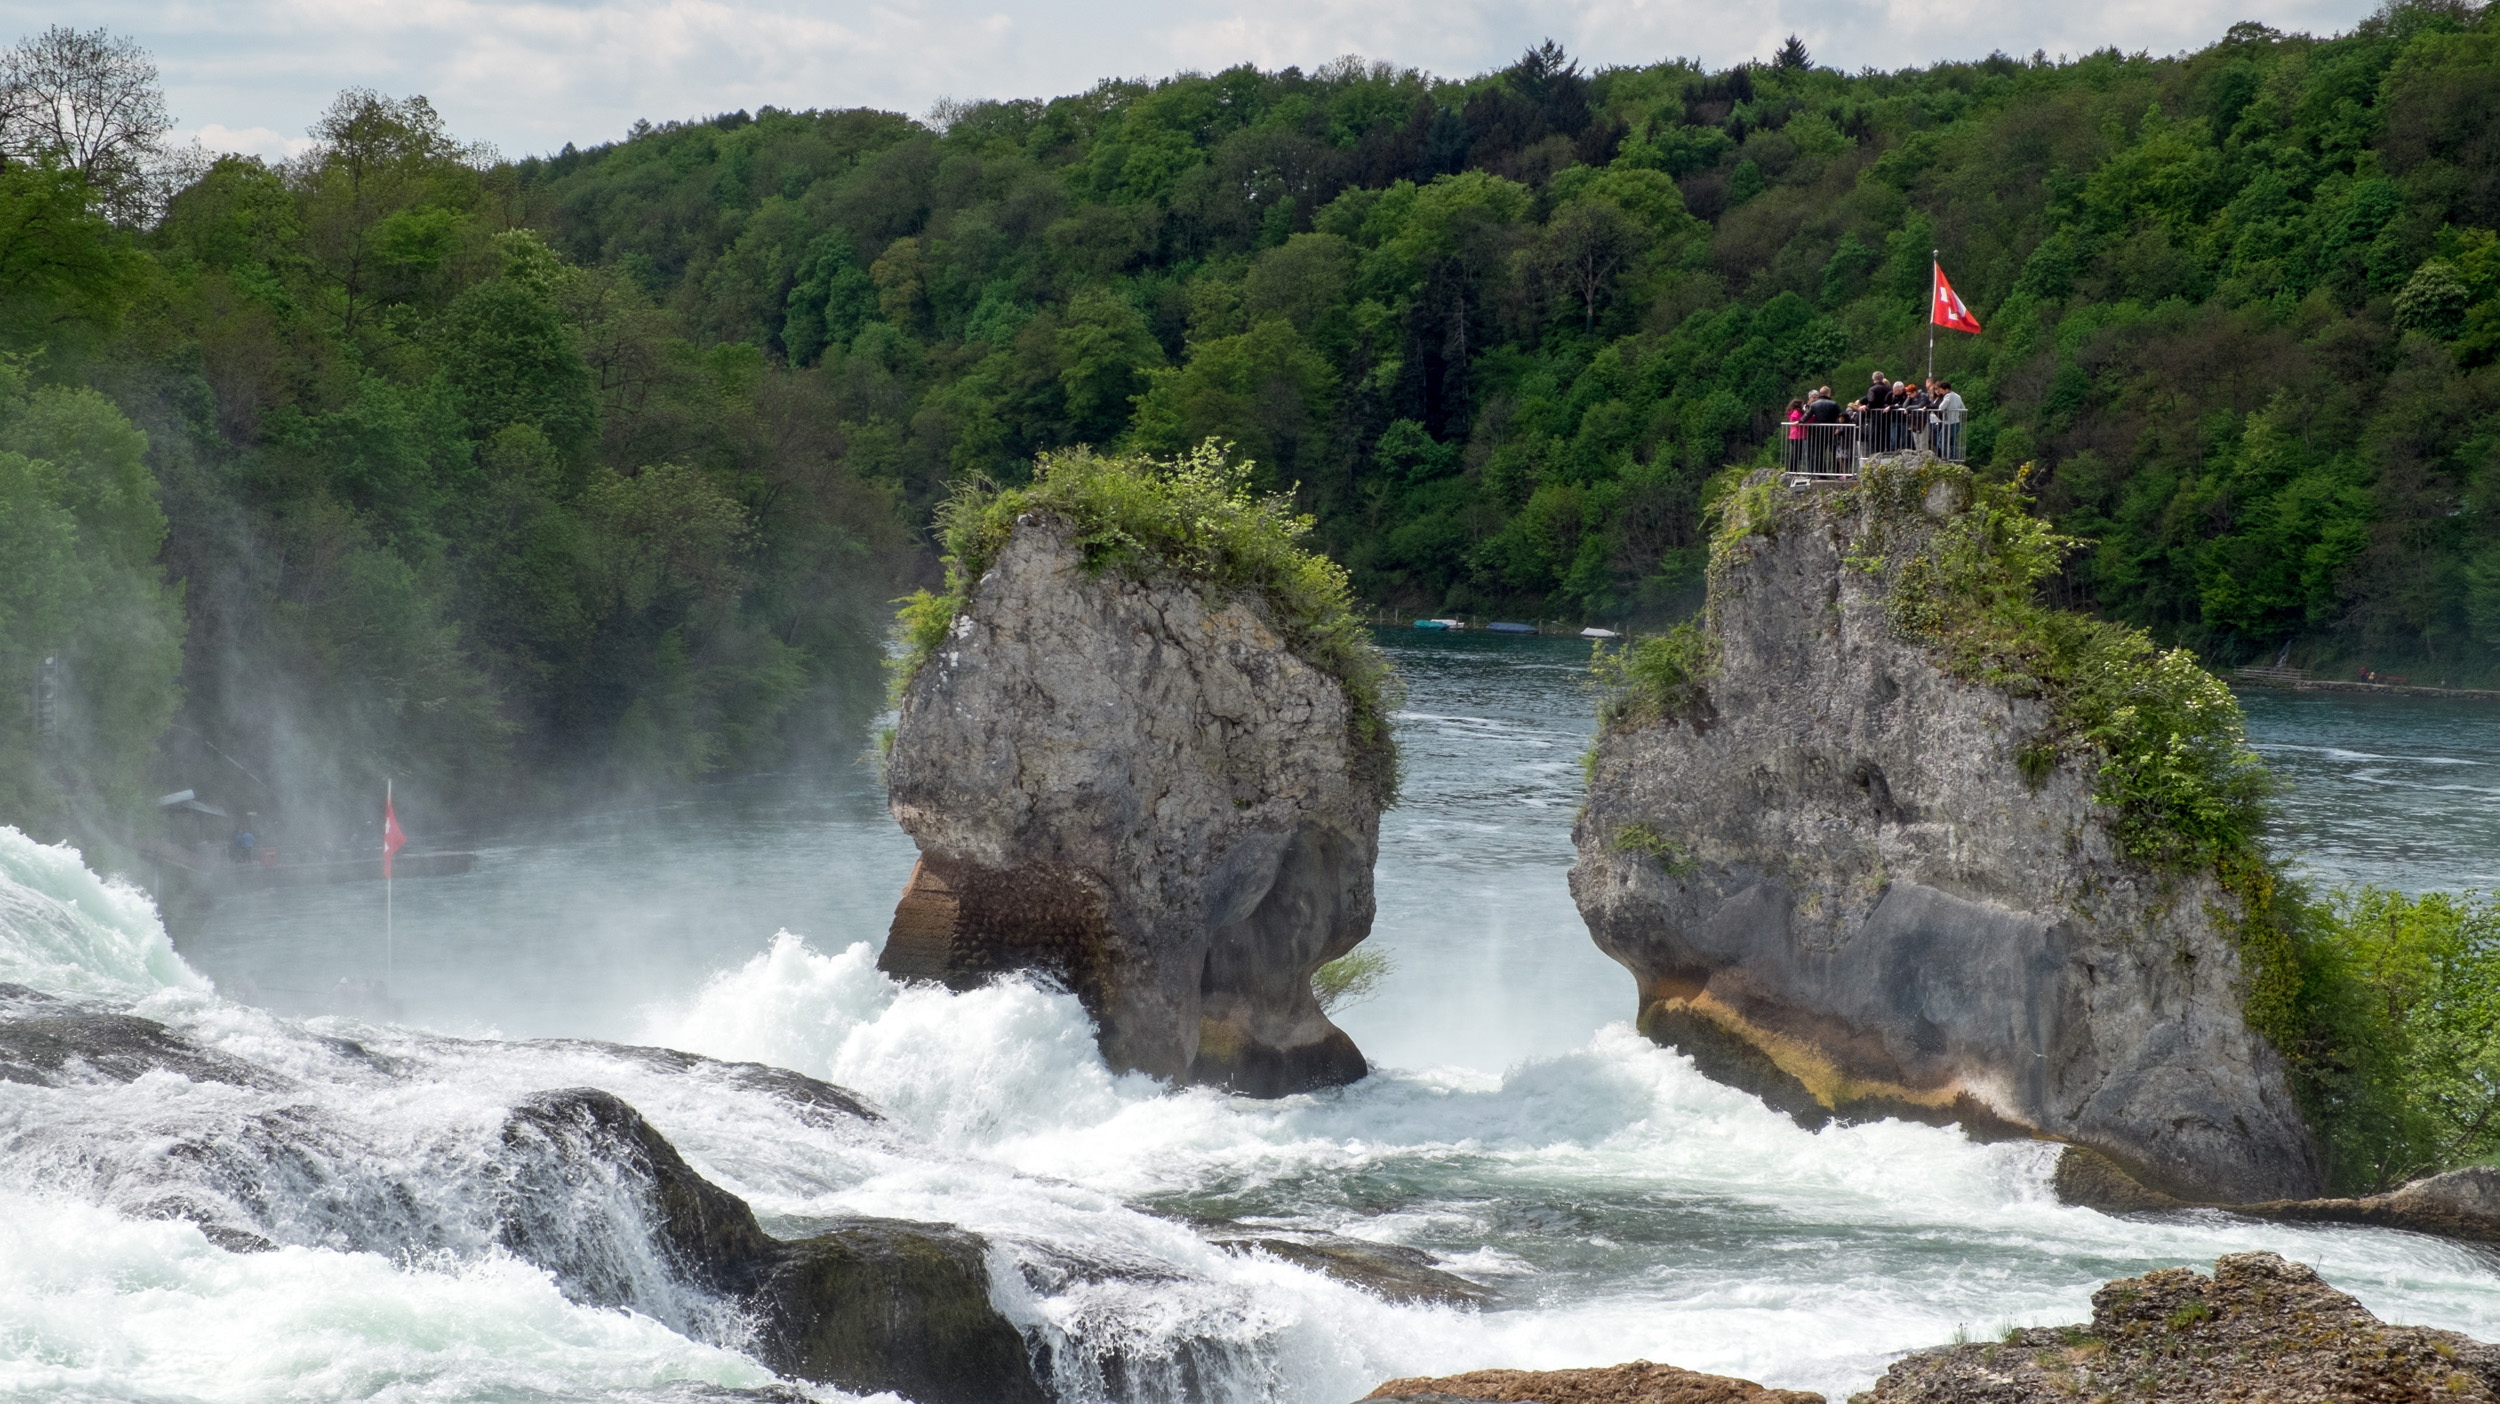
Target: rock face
(2259, 1328)
(1835, 888)
(1141, 791)
(878, 1304)
(1637, 1383)
(2460, 1204)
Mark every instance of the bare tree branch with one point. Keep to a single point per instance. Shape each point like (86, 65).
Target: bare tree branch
(89, 100)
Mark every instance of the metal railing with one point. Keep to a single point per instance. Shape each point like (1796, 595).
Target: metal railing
(1835, 450)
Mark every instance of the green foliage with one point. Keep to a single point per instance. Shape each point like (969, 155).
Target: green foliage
(2243, 309)
(2164, 737)
(440, 502)
(64, 271)
(1594, 291)
(90, 636)
(1350, 979)
(1197, 519)
(1664, 677)
(1640, 838)
(2401, 1047)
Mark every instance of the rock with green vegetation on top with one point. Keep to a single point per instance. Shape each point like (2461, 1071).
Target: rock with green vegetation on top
(1880, 835)
(1142, 745)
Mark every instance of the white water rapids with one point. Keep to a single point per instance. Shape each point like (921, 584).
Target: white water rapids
(1618, 1204)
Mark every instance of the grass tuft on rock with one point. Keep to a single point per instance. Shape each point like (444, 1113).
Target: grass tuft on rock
(1350, 979)
(1193, 519)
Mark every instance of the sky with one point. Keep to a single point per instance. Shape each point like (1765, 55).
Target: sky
(531, 75)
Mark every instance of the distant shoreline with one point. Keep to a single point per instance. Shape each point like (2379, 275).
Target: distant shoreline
(2244, 678)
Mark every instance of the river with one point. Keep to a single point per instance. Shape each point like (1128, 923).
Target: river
(1619, 1205)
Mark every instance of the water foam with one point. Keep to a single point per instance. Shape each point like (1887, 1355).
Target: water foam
(64, 930)
(1623, 1204)
(102, 1306)
(1011, 1058)
(1620, 1203)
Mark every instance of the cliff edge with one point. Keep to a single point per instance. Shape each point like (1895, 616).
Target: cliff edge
(1862, 861)
(1124, 769)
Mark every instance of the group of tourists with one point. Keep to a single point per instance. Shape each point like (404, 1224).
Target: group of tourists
(1825, 436)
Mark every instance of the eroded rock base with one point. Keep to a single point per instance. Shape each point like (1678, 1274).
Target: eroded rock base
(2260, 1328)
(2460, 1204)
(1261, 1033)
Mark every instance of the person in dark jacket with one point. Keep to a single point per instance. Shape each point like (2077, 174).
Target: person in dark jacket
(1822, 444)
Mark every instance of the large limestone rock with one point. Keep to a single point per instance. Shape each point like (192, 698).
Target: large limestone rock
(1834, 887)
(1141, 791)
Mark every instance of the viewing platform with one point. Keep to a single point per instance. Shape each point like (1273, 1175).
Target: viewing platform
(1833, 451)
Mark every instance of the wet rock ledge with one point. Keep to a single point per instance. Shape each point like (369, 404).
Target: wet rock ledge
(1136, 787)
(878, 1304)
(1860, 886)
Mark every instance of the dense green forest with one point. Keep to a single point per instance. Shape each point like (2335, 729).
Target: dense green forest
(403, 459)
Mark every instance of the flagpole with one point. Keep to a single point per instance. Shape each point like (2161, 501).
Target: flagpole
(1935, 270)
(387, 932)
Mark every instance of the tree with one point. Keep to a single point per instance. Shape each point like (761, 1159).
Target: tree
(1792, 57)
(89, 100)
(374, 158)
(508, 351)
(90, 637)
(1584, 249)
(60, 263)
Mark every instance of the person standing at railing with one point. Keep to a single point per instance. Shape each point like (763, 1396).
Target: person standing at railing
(1796, 434)
(1912, 410)
(1823, 428)
(1871, 413)
(1948, 423)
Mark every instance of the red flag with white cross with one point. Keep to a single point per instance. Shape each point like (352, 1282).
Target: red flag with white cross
(1947, 309)
(393, 838)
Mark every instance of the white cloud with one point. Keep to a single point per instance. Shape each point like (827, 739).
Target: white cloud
(533, 74)
(218, 139)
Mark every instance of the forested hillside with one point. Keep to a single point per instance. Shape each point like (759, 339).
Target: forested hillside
(603, 464)
(1502, 332)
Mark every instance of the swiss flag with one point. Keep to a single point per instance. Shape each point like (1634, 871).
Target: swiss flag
(394, 838)
(1947, 310)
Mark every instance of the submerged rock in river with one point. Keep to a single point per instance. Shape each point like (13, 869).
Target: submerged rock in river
(1836, 886)
(1139, 789)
